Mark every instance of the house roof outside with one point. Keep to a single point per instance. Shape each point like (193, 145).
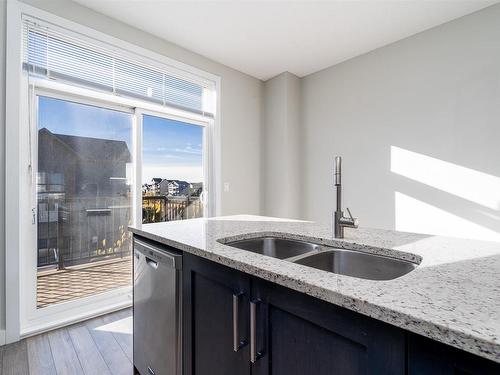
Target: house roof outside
(93, 149)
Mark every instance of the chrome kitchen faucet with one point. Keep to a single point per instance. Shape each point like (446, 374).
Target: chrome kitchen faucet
(339, 220)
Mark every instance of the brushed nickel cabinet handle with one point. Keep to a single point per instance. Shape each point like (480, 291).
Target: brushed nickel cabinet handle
(254, 354)
(237, 343)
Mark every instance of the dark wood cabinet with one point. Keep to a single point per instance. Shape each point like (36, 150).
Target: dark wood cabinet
(238, 324)
(429, 357)
(293, 333)
(299, 334)
(211, 293)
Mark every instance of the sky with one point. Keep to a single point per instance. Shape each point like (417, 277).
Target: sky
(171, 149)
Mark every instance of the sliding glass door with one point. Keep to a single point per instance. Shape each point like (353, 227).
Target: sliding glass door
(173, 182)
(84, 200)
(98, 120)
(98, 168)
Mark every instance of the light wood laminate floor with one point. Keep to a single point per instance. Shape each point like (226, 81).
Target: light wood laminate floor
(100, 346)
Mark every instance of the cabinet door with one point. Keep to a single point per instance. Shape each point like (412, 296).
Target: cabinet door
(428, 357)
(215, 327)
(299, 334)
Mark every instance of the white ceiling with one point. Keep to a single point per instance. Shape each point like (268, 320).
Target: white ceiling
(266, 38)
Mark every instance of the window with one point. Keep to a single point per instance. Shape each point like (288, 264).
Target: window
(53, 53)
(172, 170)
(65, 62)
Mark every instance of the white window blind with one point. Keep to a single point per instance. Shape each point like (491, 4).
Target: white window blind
(55, 53)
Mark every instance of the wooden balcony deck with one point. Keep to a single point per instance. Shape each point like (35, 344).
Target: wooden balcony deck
(83, 280)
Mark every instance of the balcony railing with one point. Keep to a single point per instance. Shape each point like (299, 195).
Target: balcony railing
(80, 230)
(73, 231)
(158, 208)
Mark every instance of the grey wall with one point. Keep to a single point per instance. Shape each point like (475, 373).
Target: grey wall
(280, 142)
(3, 8)
(436, 94)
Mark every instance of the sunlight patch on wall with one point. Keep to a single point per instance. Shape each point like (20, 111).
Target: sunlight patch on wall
(416, 216)
(466, 183)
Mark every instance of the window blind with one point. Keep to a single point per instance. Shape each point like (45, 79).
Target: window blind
(54, 53)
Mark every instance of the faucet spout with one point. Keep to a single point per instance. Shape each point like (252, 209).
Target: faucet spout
(339, 220)
(337, 171)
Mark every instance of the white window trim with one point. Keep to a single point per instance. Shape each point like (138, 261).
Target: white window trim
(16, 214)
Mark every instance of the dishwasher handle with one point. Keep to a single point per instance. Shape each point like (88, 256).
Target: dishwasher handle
(150, 262)
(156, 255)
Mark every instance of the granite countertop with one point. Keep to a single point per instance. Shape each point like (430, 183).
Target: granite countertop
(453, 296)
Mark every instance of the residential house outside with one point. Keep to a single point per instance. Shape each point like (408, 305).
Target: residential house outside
(167, 200)
(84, 200)
(173, 187)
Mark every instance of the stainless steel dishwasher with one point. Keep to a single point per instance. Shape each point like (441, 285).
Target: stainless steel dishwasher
(157, 309)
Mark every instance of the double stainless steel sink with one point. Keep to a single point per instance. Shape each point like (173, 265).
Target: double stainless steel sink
(336, 260)
(275, 247)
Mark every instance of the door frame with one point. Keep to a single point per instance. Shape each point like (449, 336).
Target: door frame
(34, 320)
(18, 212)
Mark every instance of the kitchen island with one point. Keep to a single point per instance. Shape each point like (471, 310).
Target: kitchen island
(452, 297)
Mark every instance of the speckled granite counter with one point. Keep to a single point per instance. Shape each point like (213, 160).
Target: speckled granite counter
(453, 296)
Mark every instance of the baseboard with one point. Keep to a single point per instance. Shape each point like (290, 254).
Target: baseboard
(2, 337)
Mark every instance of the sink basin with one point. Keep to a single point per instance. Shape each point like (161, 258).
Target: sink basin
(275, 247)
(358, 264)
(341, 261)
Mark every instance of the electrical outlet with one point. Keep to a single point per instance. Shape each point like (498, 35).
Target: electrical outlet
(226, 187)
